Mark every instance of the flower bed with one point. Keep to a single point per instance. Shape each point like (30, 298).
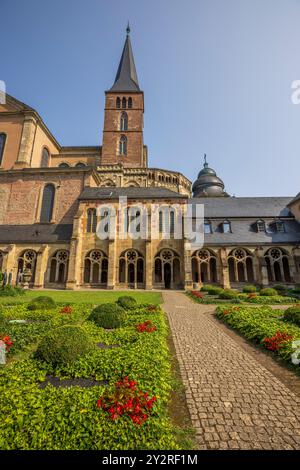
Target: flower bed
(233, 297)
(69, 418)
(262, 325)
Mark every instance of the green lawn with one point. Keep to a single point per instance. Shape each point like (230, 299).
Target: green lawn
(93, 296)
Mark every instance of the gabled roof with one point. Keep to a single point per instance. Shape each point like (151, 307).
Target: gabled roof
(113, 192)
(126, 78)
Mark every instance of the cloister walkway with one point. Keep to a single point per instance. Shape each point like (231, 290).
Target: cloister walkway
(234, 401)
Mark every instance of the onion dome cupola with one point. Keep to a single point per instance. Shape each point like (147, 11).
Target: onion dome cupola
(208, 184)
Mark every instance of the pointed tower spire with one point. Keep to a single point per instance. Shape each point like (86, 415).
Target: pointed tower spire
(126, 78)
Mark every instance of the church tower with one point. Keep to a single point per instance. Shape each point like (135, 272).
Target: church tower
(123, 118)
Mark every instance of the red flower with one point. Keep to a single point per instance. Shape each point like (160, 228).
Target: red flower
(127, 400)
(7, 341)
(66, 309)
(147, 327)
(274, 343)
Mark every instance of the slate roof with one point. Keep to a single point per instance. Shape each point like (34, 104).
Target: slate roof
(243, 213)
(126, 78)
(228, 207)
(131, 193)
(35, 233)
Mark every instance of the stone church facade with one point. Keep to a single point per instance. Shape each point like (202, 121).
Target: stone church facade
(50, 197)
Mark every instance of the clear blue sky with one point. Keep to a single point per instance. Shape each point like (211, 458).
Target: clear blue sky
(216, 75)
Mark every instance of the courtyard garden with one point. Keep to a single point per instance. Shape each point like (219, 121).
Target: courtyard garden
(86, 370)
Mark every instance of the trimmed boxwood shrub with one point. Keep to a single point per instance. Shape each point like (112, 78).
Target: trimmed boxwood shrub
(292, 314)
(41, 303)
(228, 294)
(268, 291)
(110, 315)
(64, 345)
(127, 302)
(281, 289)
(249, 289)
(211, 290)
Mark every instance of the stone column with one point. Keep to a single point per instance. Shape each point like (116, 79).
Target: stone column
(75, 261)
(187, 265)
(295, 266)
(261, 266)
(41, 267)
(148, 265)
(224, 274)
(111, 277)
(27, 141)
(74, 269)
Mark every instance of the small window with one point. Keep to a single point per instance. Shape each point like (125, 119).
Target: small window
(260, 226)
(63, 165)
(80, 165)
(123, 145)
(45, 158)
(172, 222)
(226, 226)
(124, 122)
(280, 226)
(91, 225)
(124, 103)
(118, 103)
(130, 103)
(207, 227)
(2, 145)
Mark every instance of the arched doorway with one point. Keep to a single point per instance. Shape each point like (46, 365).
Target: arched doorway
(167, 269)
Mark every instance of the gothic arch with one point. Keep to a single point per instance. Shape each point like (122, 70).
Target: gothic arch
(204, 266)
(167, 268)
(96, 268)
(131, 268)
(240, 264)
(59, 267)
(27, 263)
(278, 266)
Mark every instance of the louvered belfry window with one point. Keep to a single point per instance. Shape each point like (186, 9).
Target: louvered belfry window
(47, 203)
